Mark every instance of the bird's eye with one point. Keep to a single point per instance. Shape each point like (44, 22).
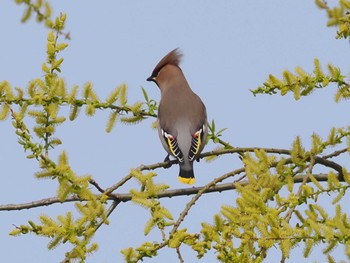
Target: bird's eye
(155, 75)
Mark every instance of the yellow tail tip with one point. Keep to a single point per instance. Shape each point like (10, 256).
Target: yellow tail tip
(186, 180)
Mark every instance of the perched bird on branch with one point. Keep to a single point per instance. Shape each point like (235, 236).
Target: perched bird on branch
(182, 117)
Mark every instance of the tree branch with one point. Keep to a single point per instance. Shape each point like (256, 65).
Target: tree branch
(125, 197)
(330, 164)
(244, 150)
(178, 252)
(335, 154)
(211, 187)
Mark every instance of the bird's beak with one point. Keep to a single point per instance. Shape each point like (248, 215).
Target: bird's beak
(151, 78)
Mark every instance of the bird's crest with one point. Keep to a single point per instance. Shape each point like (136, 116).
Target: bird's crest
(173, 58)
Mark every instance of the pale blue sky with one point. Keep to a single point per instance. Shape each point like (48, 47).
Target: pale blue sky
(229, 47)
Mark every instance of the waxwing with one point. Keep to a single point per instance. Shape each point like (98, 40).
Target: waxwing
(182, 118)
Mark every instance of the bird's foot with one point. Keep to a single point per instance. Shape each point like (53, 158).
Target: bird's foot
(167, 160)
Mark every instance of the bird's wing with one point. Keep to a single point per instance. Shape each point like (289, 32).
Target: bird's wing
(197, 140)
(173, 146)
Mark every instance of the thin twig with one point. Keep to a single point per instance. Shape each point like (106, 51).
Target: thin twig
(178, 252)
(225, 144)
(100, 223)
(306, 178)
(336, 153)
(142, 167)
(244, 150)
(109, 190)
(289, 214)
(330, 164)
(200, 192)
(94, 183)
(108, 213)
(194, 200)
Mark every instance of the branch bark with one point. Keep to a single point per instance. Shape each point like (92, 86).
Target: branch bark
(125, 197)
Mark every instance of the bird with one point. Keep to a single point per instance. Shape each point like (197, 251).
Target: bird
(182, 117)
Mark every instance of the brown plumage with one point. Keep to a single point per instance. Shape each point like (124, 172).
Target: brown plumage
(172, 58)
(182, 118)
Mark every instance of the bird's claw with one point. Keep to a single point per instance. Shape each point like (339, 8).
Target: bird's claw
(167, 160)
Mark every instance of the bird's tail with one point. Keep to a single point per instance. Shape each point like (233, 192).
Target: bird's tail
(186, 176)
